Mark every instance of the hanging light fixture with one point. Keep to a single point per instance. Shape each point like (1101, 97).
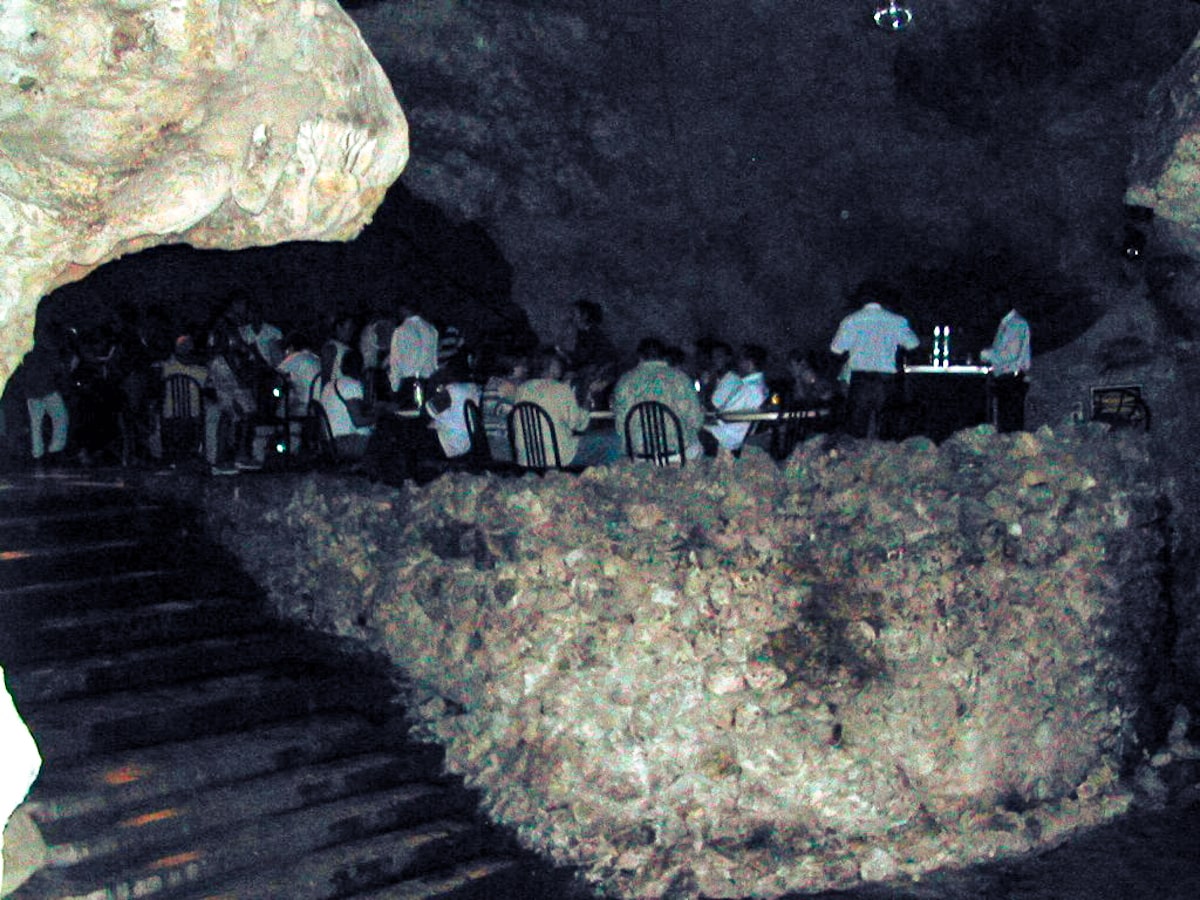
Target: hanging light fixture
(892, 16)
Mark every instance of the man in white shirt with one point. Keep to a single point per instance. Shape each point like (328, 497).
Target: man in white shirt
(1010, 356)
(872, 337)
(744, 390)
(413, 356)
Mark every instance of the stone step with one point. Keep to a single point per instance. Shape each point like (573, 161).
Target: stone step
(108, 722)
(174, 820)
(32, 529)
(114, 786)
(434, 860)
(25, 565)
(484, 878)
(154, 665)
(95, 632)
(152, 584)
(220, 854)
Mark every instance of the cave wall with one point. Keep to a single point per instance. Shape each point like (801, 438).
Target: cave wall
(739, 168)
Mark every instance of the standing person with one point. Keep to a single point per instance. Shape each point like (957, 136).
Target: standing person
(872, 337)
(45, 371)
(1010, 356)
(655, 379)
(413, 356)
(743, 390)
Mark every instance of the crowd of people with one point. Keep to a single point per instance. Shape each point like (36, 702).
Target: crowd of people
(390, 393)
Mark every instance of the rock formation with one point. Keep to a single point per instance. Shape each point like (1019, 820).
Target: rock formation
(731, 680)
(218, 124)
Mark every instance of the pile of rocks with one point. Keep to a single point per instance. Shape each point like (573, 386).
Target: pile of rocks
(740, 680)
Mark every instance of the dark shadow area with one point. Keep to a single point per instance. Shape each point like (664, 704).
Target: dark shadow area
(411, 249)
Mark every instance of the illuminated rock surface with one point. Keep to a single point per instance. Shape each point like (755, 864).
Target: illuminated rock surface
(740, 681)
(123, 126)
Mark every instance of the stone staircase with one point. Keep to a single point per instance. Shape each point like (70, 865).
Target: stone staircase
(195, 747)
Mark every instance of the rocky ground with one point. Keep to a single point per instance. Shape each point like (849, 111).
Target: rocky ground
(913, 523)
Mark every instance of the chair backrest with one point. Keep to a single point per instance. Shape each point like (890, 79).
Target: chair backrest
(654, 432)
(183, 397)
(795, 424)
(534, 440)
(474, 419)
(326, 444)
(181, 418)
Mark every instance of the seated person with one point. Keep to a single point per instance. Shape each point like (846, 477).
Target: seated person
(231, 403)
(301, 366)
(654, 379)
(449, 392)
(374, 343)
(350, 422)
(743, 390)
(401, 443)
(498, 397)
(807, 388)
(571, 420)
(714, 361)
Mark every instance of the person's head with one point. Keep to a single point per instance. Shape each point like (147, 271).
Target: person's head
(800, 367)
(551, 364)
(514, 366)
(675, 356)
(587, 314)
(751, 359)
(296, 341)
(345, 328)
(651, 349)
(720, 356)
(185, 348)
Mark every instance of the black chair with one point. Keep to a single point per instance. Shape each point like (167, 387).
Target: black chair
(478, 458)
(659, 436)
(533, 438)
(325, 449)
(794, 426)
(181, 418)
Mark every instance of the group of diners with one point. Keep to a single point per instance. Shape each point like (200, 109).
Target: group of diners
(389, 395)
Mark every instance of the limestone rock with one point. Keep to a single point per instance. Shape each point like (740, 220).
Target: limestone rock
(1164, 174)
(879, 661)
(222, 125)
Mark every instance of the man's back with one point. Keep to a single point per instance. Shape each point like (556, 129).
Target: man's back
(871, 336)
(656, 380)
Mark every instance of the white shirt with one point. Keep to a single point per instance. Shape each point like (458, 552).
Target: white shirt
(267, 340)
(413, 351)
(871, 336)
(333, 399)
(1010, 352)
(301, 369)
(451, 423)
(373, 344)
(736, 393)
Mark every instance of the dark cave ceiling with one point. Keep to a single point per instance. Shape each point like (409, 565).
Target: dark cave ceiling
(708, 168)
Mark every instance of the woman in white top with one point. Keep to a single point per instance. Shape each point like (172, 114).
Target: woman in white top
(341, 396)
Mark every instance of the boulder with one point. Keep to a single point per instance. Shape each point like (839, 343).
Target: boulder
(734, 680)
(222, 125)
